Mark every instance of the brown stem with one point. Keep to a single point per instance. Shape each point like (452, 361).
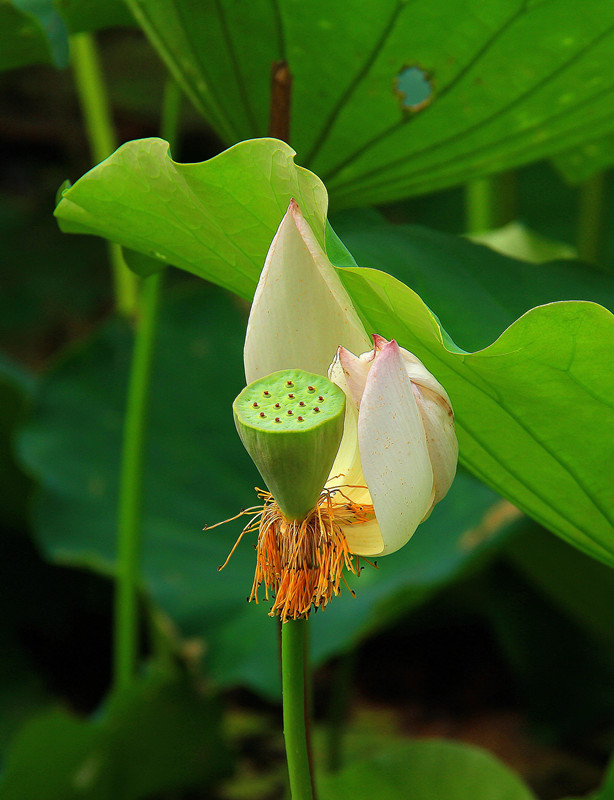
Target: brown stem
(281, 90)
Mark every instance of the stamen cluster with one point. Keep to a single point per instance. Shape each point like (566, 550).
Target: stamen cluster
(301, 564)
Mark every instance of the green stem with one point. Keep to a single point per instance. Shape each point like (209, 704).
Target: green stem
(135, 423)
(293, 664)
(171, 112)
(591, 218)
(101, 136)
(490, 202)
(478, 205)
(131, 484)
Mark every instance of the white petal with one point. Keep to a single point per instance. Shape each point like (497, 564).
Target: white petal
(393, 450)
(301, 312)
(419, 374)
(347, 470)
(364, 539)
(441, 441)
(356, 369)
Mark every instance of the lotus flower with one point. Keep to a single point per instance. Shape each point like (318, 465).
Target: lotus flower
(399, 450)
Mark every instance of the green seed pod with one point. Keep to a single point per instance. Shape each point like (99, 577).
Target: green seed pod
(291, 424)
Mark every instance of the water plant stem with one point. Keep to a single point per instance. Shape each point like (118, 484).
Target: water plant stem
(490, 202)
(479, 205)
(135, 424)
(591, 218)
(94, 102)
(293, 668)
(131, 485)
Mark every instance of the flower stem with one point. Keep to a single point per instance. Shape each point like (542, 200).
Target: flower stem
(293, 668)
(131, 484)
(135, 423)
(591, 218)
(490, 202)
(478, 205)
(94, 102)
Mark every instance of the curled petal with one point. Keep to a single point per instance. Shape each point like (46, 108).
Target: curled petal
(393, 450)
(418, 373)
(301, 312)
(441, 441)
(355, 369)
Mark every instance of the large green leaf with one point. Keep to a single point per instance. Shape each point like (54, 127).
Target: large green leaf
(159, 735)
(411, 96)
(90, 15)
(425, 770)
(534, 409)
(581, 163)
(198, 472)
(195, 216)
(455, 277)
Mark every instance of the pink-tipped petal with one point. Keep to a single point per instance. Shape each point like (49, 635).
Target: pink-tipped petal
(301, 312)
(378, 343)
(418, 373)
(356, 369)
(442, 444)
(393, 450)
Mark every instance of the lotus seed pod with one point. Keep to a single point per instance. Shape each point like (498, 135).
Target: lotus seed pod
(291, 424)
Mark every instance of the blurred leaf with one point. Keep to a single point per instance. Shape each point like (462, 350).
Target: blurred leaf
(53, 25)
(159, 735)
(424, 770)
(217, 218)
(16, 386)
(454, 277)
(141, 264)
(197, 473)
(417, 97)
(581, 163)
(518, 241)
(607, 790)
(90, 15)
(22, 690)
(578, 585)
(511, 399)
(562, 670)
(46, 299)
(24, 40)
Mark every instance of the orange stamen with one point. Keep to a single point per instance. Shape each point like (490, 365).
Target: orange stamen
(301, 564)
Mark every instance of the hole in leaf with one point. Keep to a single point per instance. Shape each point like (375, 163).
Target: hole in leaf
(414, 88)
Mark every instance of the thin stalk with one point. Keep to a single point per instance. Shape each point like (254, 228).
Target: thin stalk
(171, 112)
(101, 136)
(131, 485)
(591, 218)
(490, 202)
(293, 667)
(479, 201)
(135, 423)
